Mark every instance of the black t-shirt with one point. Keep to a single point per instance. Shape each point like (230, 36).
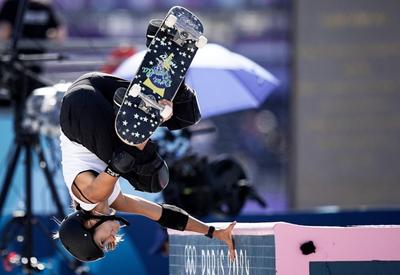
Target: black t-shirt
(89, 100)
(38, 18)
(186, 111)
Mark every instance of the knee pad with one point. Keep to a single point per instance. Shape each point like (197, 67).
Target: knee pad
(151, 184)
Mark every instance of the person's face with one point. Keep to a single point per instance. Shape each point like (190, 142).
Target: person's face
(105, 234)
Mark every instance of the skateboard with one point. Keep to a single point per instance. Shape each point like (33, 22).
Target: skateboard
(159, 76)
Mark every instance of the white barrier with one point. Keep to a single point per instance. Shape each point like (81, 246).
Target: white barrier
(288, 249)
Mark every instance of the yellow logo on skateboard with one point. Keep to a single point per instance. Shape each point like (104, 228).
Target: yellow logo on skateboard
(159, 76)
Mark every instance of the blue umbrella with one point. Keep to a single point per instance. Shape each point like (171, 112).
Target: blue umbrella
(225, 81)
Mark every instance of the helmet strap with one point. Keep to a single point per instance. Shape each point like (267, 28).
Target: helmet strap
(102, 218)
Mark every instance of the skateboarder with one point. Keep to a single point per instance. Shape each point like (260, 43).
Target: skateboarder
(93, 158)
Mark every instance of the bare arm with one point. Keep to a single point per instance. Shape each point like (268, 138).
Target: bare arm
(58, 34)
(5, 30)
(223, 234)
(95, 188)
(136, 205)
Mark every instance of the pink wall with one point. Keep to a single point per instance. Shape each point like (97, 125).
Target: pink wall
(358, 243)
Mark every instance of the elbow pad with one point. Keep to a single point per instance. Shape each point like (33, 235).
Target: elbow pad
(173, 217)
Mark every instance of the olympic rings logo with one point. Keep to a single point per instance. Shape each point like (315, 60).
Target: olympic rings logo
(190, 259)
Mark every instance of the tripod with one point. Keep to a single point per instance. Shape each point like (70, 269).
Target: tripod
(28, 144)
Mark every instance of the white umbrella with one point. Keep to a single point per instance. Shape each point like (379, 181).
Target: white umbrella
(224, 81)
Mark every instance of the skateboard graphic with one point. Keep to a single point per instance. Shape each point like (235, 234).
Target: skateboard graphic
(159, 76)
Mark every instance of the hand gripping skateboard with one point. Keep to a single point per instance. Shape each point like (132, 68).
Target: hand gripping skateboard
(159, 76)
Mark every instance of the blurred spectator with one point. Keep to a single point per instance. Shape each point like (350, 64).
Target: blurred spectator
(40, 21)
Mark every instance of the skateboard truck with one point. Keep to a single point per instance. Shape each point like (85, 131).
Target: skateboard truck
(165, 110)
(181, 36)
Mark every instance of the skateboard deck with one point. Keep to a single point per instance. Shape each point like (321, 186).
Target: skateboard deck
(159, 76)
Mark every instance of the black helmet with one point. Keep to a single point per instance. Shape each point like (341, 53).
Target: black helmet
(78, 240)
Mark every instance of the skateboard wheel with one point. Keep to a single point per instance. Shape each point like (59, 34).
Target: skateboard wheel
(201, 42)
(170, 21)
(166, 112)
(135, 90)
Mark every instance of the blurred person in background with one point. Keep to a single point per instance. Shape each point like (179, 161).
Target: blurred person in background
(93, 159)
(40, 21)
